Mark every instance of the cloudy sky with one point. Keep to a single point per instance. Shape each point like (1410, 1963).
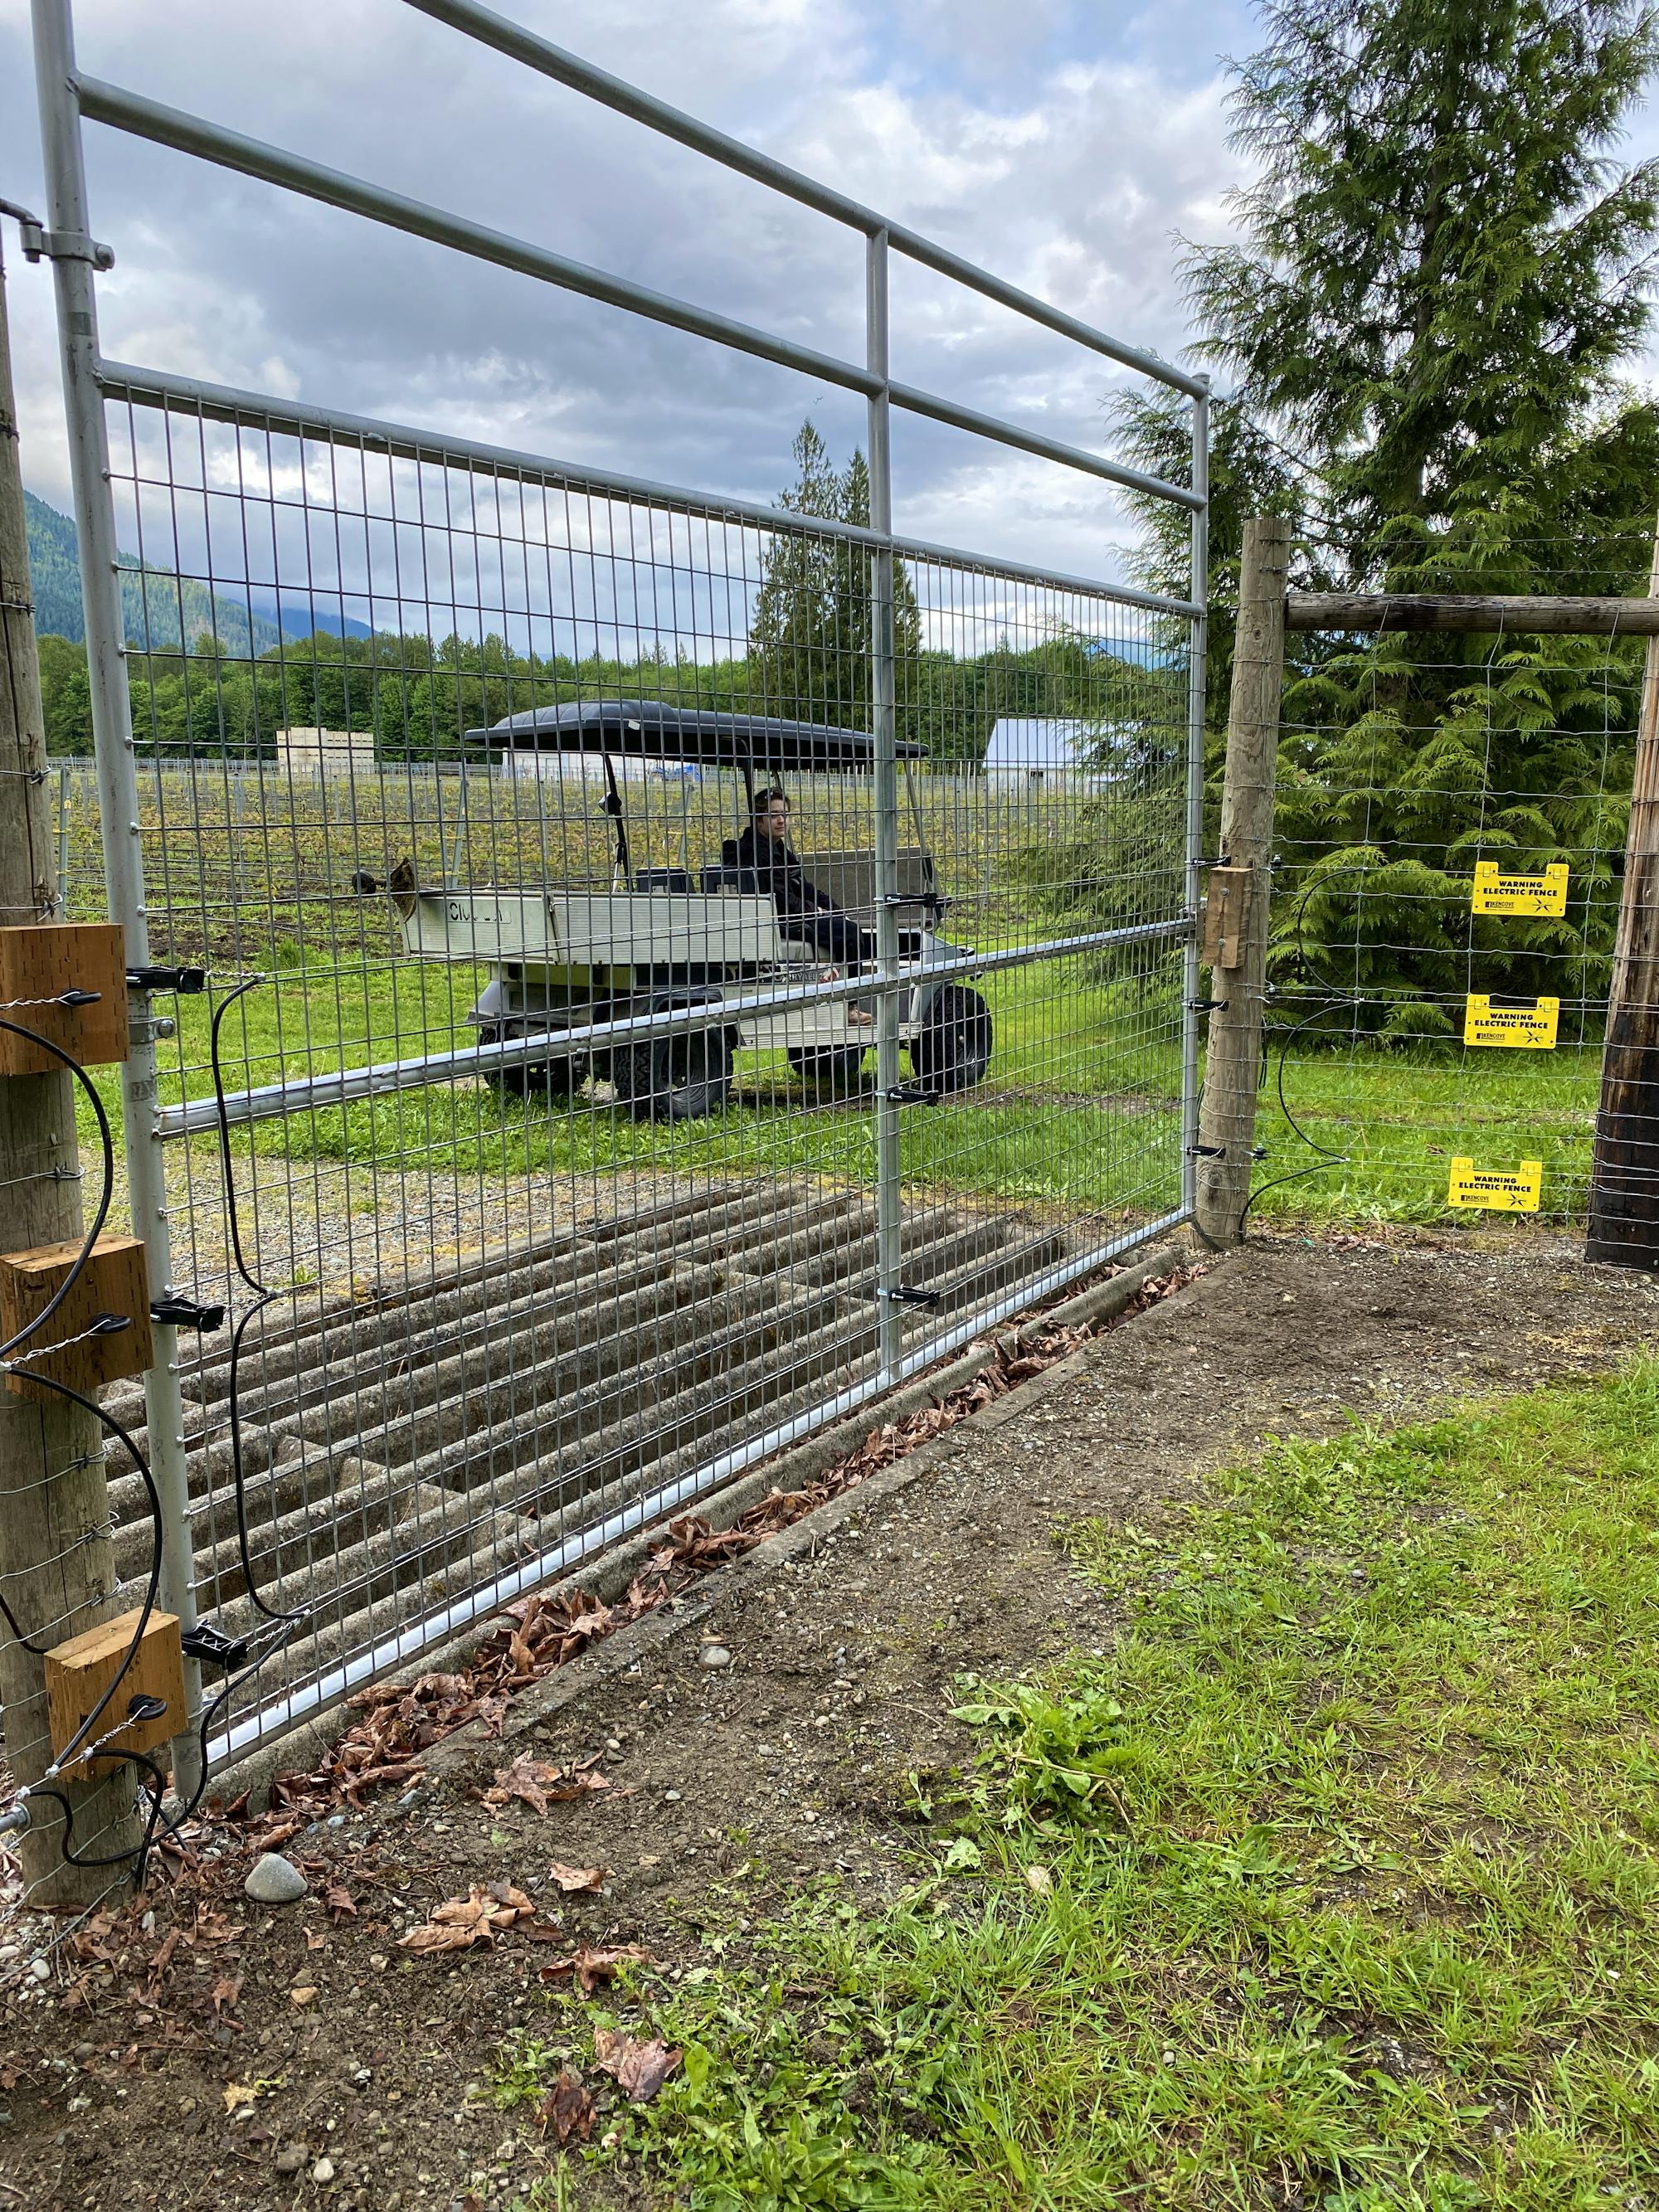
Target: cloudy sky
(1061, 142)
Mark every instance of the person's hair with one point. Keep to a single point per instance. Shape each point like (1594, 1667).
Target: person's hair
(772, 797)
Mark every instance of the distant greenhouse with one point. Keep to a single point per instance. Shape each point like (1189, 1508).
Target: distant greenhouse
(1073, 752)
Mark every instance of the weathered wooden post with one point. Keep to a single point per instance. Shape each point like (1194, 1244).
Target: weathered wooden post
(1235, 946)
(56, 1560)
(1624, 1202)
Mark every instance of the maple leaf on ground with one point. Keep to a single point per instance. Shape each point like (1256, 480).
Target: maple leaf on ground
(571, 1880)
(638, 2068)
(566, 2110)
(337, 1898)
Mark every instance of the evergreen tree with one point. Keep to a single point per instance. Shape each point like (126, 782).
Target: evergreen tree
(1441, 277)
(809, 636)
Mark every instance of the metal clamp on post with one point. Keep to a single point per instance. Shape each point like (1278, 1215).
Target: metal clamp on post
(901, 1294)
(186, 1313)
(1207, 1005)
(911, 1094)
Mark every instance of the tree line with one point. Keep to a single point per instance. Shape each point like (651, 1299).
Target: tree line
(808, 657)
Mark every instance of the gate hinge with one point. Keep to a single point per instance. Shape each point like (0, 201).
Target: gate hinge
(37, 242)
(902, 1295)
(911, 1094)
(186, 1313)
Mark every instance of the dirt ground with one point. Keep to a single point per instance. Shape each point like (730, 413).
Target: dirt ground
(844, 1636)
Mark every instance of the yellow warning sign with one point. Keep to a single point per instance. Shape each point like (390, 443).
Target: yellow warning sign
(1521, 1028)
(1500, 1190)
(1496, 891)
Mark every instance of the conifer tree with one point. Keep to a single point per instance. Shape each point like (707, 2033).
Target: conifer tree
(1442, 279)
(810, 636)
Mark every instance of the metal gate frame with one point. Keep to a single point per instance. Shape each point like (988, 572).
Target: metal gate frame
(67, 97)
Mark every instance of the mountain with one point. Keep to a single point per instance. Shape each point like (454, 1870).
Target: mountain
(298, 615)
(161, 611)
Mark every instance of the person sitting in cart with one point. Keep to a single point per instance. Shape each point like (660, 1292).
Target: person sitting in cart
(764, 851)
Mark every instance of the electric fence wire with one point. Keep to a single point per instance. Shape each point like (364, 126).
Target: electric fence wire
(155, 1830)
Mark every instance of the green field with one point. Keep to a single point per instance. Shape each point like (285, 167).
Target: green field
(1078, 1112)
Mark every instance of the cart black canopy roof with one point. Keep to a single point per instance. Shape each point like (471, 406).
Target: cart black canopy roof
(646, 729)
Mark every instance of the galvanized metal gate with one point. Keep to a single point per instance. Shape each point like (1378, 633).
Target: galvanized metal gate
(494, 1302)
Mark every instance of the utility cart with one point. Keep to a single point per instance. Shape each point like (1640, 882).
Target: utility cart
(658, 940)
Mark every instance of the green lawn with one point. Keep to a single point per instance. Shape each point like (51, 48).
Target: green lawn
(1335, 1883)
(1079, 1109)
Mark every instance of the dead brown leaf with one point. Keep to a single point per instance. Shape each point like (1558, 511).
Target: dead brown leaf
(477, 1918)
(338, 1899)
(590, 1968)
(572, 1880)
(567, 2110)
(639, 2068)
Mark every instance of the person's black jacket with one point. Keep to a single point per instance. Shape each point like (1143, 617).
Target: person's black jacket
(777, 871)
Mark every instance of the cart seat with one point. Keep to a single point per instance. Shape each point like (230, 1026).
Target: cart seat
(719, 877)
(848, 881)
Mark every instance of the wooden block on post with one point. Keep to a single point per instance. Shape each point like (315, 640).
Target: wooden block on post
(1226, 918)
(40, 961)
(79, 1672)
(113, 1281)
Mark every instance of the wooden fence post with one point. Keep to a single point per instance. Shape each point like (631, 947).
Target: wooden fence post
(1624, 1201)
(57, 1559)
(1236, 919)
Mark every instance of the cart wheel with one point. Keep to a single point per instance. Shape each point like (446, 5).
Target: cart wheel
(677, 1079)
(560, 1077)
(953, 1049)
(834, 1067)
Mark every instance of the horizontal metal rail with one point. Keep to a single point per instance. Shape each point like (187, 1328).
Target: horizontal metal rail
(222, 403)
(393, 1651)
(210, 142)
(519, 44)
(345, 1086)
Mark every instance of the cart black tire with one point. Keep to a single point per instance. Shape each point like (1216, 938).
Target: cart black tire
(560, 1076)
(835, 1067)
(681, 1078)
(953, 1049)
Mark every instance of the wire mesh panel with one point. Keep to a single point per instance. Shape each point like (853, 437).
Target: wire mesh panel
(1449, 835)
(529, 1124)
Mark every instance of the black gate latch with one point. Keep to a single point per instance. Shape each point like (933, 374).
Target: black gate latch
(186, 1313)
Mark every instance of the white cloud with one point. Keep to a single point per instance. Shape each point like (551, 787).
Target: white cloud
(1058, 143)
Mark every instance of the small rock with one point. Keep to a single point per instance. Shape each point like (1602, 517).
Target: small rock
(274, 1880)
(39, 1971)
(322, 2170)
(78, 2105)
(8, 1952)
(671, 1796)
(716, 1655)
(289, 2161)
(335, 1820)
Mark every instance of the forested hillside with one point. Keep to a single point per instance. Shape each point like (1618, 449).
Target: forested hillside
(163, 610)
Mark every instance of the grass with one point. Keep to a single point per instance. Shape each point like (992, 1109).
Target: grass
(1079, 1111)
(1334, 1883)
